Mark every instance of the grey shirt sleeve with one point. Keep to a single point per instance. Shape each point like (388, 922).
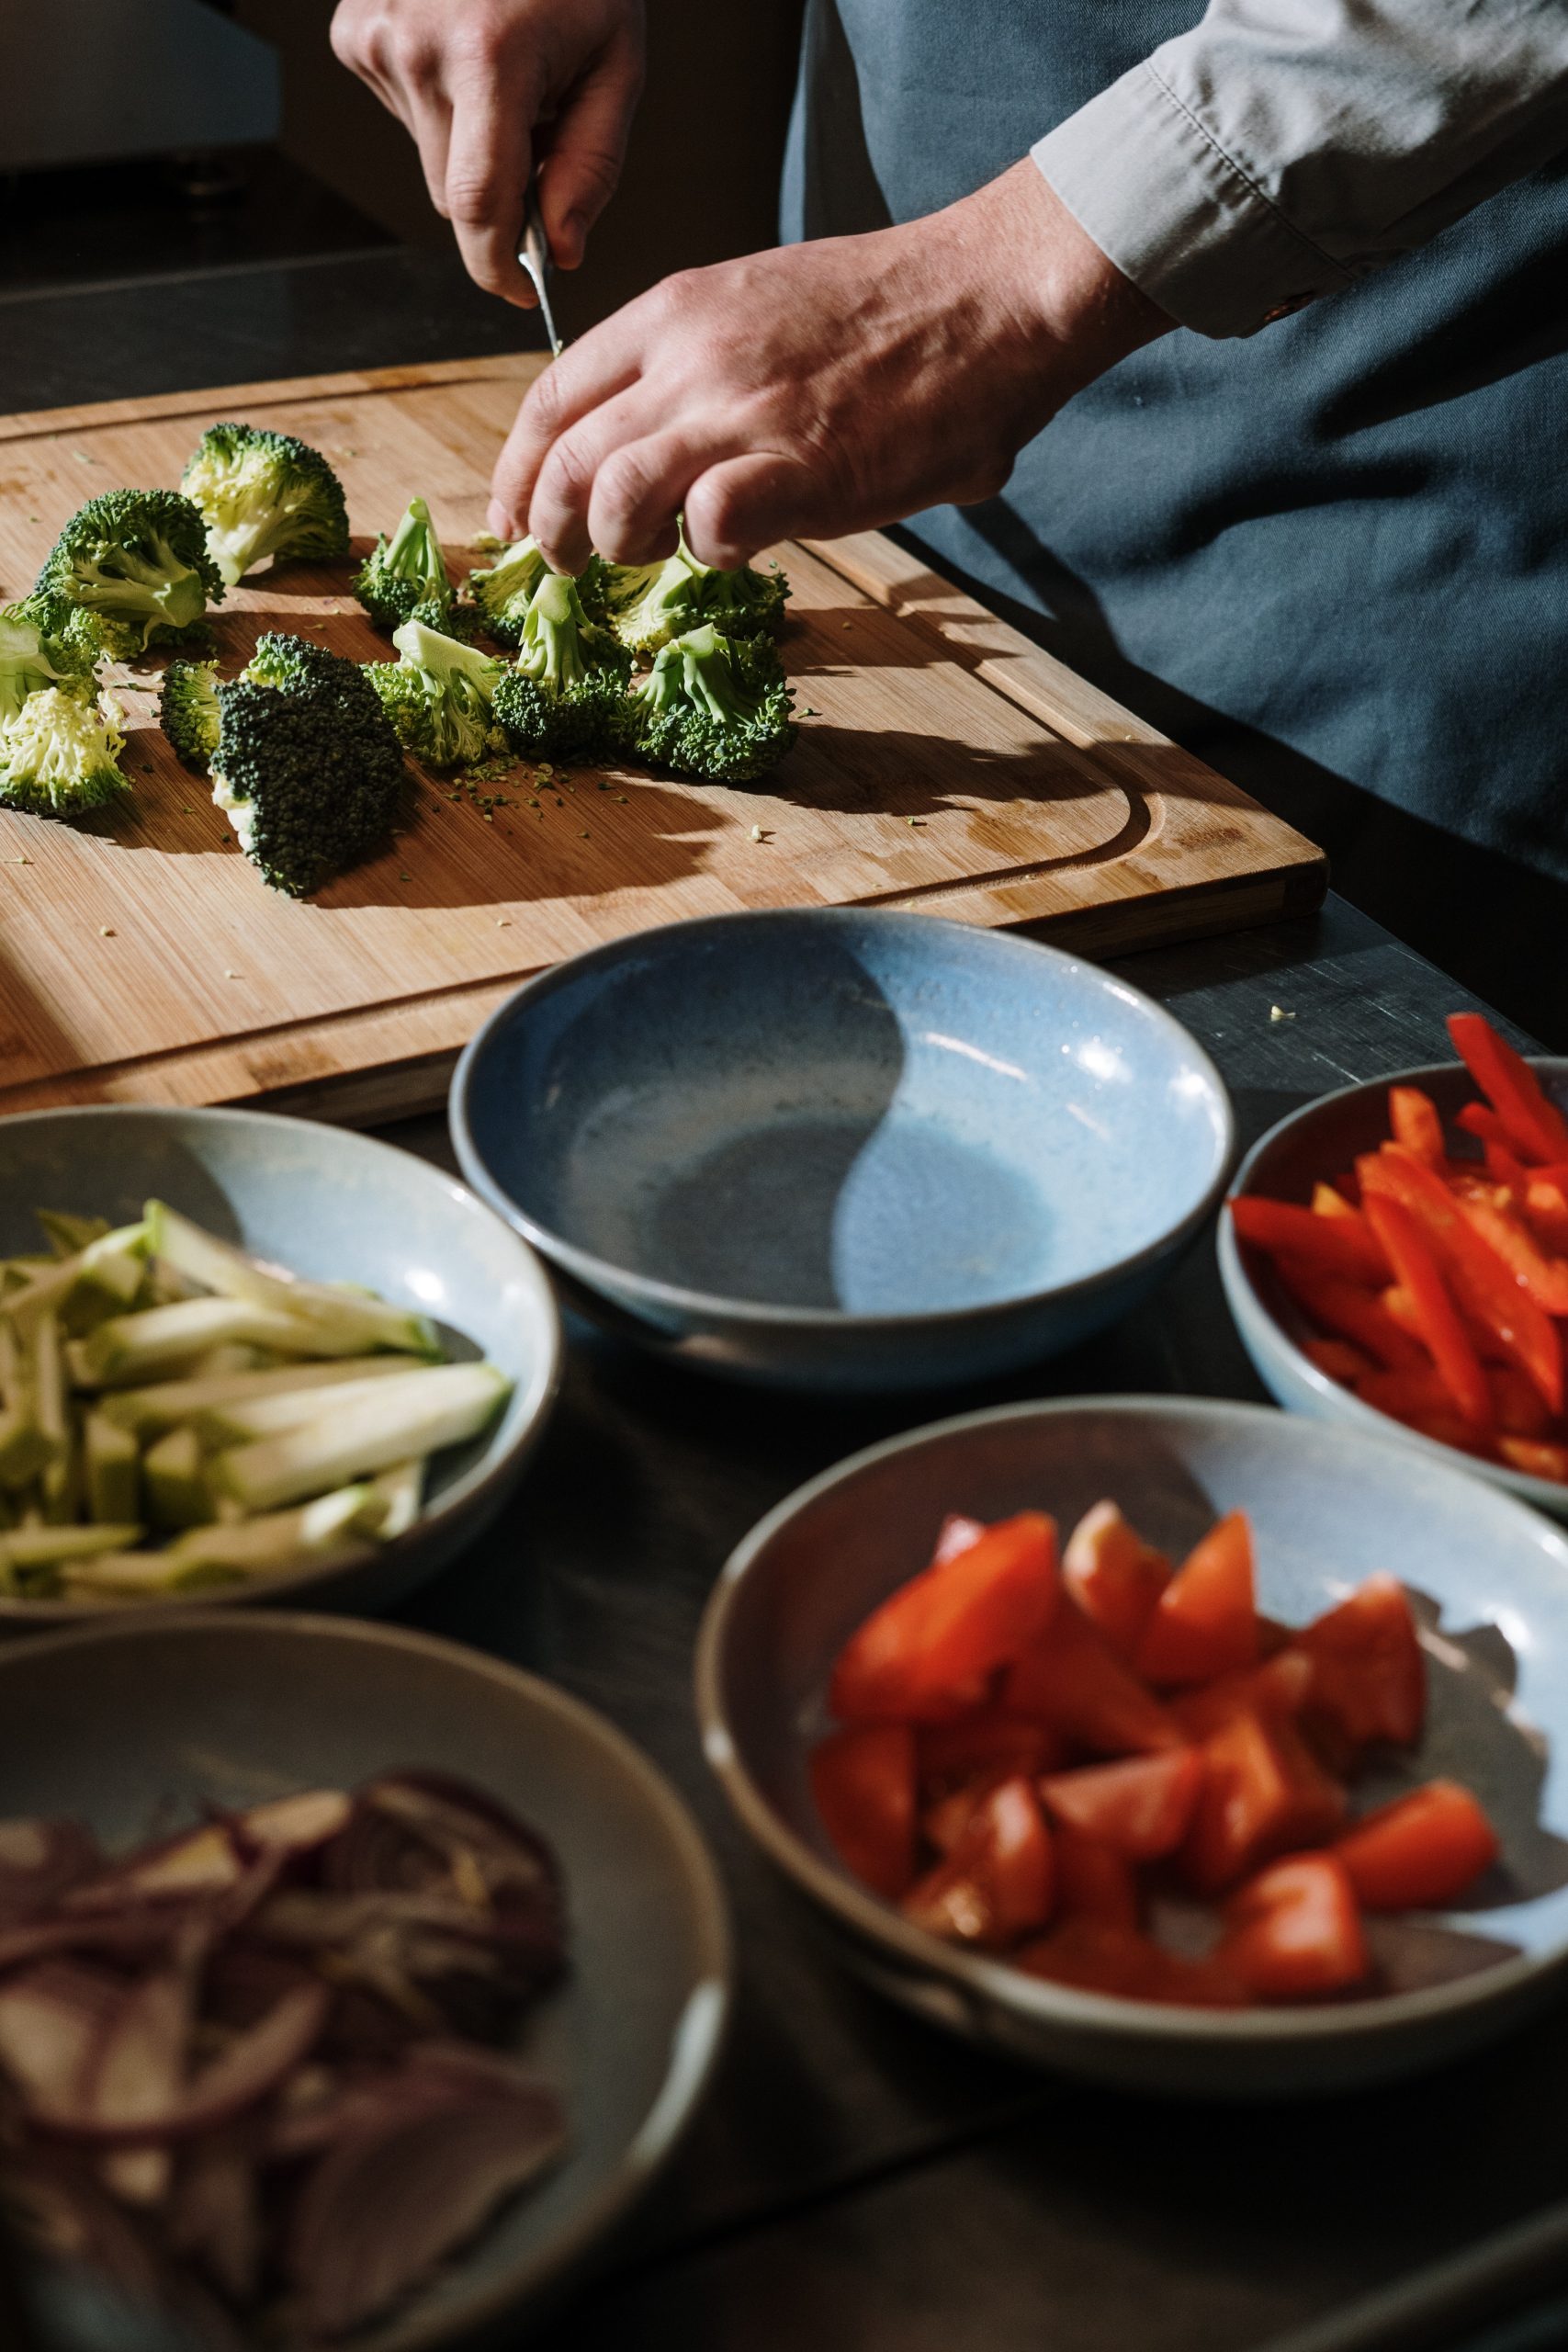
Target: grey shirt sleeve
(1283, 148)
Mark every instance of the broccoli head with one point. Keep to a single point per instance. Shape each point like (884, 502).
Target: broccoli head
(712, 706)
(187, 711)
(502, 592)
(263, 494)
(59, 754)
(405, 574)
(438, 695)
(138, 561)
(649, 603)
(307, 765)
(565, 696)
(44, 641)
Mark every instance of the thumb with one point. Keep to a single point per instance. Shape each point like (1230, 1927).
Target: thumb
(746, 503)
(587, 148)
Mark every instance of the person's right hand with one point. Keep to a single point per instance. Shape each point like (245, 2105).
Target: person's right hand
(479, 83)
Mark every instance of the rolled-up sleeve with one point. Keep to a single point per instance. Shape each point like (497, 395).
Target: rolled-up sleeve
(1283, 148)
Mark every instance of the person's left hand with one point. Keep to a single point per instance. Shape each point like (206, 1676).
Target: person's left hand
(819, 389)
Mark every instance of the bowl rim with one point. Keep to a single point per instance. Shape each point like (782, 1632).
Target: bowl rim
(1244, 1297)
(699, 2035)
(601, 1275)
(496, 1466)
(993, 1982)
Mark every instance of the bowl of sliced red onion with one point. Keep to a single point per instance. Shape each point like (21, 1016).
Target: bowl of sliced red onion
(351, 1985)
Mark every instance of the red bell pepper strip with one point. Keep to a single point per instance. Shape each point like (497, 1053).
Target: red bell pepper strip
(1419, 1851)
(1482, 1282)
(1350, 1314)
(1412, 1115)
(1339, 1359)
(1540, 1277)
(1535, 1458)
(1335, 1245)
(1417, 1268)
(1480, 1120)
(1326, 1202)
(1535, 1126)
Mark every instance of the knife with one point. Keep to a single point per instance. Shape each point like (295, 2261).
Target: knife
(533, 253)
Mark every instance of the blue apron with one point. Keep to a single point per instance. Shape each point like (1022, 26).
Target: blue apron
(1331, 559)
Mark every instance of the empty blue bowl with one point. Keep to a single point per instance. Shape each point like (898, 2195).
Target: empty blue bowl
(845, 1151)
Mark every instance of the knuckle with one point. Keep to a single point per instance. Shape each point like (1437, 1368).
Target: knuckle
(566, 481)
(472, 197)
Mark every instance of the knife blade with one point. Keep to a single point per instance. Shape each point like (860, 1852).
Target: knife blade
(534, 254)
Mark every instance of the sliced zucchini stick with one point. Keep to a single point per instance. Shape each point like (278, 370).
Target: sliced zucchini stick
(359, 1321)
(431, 1409)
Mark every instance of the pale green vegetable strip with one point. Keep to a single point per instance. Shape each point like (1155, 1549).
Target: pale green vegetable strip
(132, 1347)
(40, 1547)
(147, 1412)
(320, 1533)
(105, 1275)
(176, 1492)
(434, 1408)
(392, 1501)
(112, 1469)
(48, 1369)
(66, 1234)
(365, 1322)
(136, 1576)
(294, 1408)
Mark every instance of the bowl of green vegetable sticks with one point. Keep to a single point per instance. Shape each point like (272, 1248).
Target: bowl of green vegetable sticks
(244, 1356)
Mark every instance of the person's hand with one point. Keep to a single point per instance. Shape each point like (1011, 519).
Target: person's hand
(480, 84)
(820, 389)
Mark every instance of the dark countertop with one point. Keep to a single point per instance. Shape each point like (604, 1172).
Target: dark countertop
(858, 2182)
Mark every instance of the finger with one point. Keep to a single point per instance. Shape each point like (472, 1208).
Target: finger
(559, 512)
(586, 375)
(638, 490)
(741, 505)
(487, 164)
(429, 118)
(588, 147)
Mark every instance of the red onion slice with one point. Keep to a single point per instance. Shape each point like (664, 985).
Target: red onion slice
(298, 1824)
(39, 1861)
(253, 2065)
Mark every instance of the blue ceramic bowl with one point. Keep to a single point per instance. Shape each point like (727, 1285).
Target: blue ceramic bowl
(171, 1713)
(840, 1150)
(337, 1207)
(1320, 1141)
(1328, 1506)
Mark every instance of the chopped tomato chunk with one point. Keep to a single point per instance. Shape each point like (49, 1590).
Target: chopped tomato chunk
(1098, 1956)
(1369, 1677)
(1115, 1578)
(1294, 1930)
(1093, 1881)
(1205, 1622)
(1070, 1678)
(1419, 1851)
(1279, 1687)
(1262, 1792)
(863, 1786)
(958, 1765)
(921, 1654)
(996, 1884)
(1140, 1807)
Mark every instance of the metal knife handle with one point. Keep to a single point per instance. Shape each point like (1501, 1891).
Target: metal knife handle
(533, 253)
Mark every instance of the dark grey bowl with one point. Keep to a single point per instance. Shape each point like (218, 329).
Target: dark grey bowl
(339, 1207)
(1320, 1140)
(1330, 1505)
(139, 1722)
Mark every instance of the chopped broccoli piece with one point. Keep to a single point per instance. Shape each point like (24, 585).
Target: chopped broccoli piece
(263, 494)
(58, 754)
(44, 641)
(187, 711)
(438, 695)
(650, 603)
(502, 593)
(712, 706)
(138, 559)
(307, 766)
(565, 696)
(406, 574)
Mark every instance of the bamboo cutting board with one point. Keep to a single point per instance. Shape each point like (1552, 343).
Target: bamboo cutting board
(947, 765)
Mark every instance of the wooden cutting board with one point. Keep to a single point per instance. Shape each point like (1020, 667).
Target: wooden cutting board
(944, 765)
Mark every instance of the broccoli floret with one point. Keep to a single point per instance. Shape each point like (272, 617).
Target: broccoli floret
(58, 754)
(712, 706)
(187, 711)
(649, 603)
(307, 765)
(265, 494)
(406, 574)
(502, 592)
(138, 559)
(438, 695)
(565, 696)
(44, 641)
